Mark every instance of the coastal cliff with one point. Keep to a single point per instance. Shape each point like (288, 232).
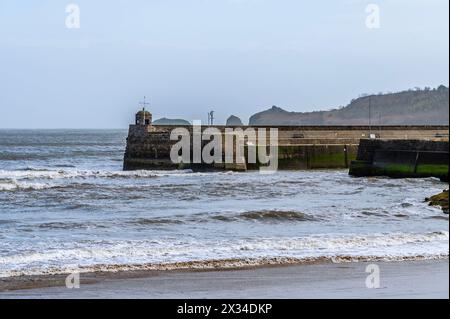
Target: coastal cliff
(412, 107)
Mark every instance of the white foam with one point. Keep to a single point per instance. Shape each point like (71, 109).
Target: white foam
(15, 178)
(339, 248)
(16, 185)
(59, 174)
(70, 174)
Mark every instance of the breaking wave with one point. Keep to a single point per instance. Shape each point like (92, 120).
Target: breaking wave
(12, 185)
(257, 216)
(175, 254)
(62, 174)
(38, 179)
(265, 215)
(36, 173)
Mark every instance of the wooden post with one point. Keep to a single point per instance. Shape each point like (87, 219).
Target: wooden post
(346, 156)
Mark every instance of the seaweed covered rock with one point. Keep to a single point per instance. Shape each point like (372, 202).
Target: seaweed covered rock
(440, 200)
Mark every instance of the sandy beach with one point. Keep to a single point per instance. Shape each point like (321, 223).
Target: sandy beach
(412, 279)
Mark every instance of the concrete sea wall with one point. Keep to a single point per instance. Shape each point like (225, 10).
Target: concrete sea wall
(300, 147)
(401, 158)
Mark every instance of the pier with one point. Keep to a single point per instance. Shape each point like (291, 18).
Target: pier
(299, 147)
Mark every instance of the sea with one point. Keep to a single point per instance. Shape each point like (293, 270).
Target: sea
(66, 205)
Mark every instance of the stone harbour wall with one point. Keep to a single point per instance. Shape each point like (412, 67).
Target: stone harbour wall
(402, 158)
(300, 147)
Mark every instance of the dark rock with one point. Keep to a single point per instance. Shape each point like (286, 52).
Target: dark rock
(166, 121)
(440, 200)
(234, 121)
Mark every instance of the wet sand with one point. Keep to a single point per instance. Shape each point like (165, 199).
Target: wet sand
(411, 279)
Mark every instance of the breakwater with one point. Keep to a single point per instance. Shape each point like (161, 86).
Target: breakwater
(401, 158)
(299, 147)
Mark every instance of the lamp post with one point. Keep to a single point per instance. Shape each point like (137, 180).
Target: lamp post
(211, 118)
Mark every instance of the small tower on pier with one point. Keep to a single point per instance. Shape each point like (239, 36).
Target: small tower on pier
(143, 117)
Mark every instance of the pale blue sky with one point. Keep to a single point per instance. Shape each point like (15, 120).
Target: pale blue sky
(190, 56)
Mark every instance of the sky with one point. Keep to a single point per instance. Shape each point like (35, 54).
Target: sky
(192, 56)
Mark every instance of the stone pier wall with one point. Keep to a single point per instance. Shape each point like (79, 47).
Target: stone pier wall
(402, 158)
(300, 147)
